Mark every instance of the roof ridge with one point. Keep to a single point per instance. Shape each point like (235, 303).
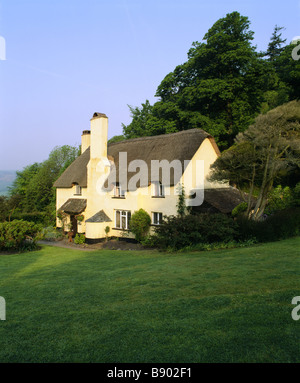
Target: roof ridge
(187, 131)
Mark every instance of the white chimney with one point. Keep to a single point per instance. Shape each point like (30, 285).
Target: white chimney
(98, 139)
(85, 140)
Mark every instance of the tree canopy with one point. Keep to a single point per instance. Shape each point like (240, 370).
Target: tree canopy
(222, 87)
(34, 184)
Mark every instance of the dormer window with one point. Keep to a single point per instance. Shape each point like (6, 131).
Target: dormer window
(118, 191)
(158, 189)
(78, 190)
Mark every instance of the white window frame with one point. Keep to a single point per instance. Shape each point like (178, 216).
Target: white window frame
(78, 190)
(159, 217)
(123, 214)
(118, 192)
(158, 189)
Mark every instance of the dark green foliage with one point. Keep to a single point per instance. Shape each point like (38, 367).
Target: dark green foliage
(180, 232)
(34, 184)
(35, 217)
(223, 86)
(296, 195)
(220, 88)
(139, 224)
(281, 225)
(288, 71)
(19, 235)
(275, 45)
(139, 126)
(33, 192)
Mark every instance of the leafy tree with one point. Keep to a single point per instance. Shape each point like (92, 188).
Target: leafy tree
(34, 185)
(138, 125)
(267, 151)
(219, 89)
(275, 45)
(288, 71)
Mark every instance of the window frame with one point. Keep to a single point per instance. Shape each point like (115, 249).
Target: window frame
(78, 189)
(159, 216)
(118, 191)
(158, 190)
(123, 214)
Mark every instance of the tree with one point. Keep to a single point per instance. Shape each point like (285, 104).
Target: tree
(137, 127)
(267, 151)
(288, 71)
(34, 184)
(219, 89)
(275, 45)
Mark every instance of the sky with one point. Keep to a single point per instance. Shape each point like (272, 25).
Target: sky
(66, 59)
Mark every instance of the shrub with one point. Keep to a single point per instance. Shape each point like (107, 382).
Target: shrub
(179, 232)
(296, 195)
(19, 235)
(44, 218)
(51, 234)
(79, 239)
(35, 217)
(279, 199)
(283, 224)
(239, 209)
(139, 224)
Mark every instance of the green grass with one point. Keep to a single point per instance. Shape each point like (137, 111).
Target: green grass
(114, 306)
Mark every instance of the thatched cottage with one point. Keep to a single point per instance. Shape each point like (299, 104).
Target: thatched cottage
(107, 183)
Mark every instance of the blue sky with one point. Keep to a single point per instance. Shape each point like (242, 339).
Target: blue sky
(67, 59)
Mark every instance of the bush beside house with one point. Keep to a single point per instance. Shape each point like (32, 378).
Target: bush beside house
(19, 235)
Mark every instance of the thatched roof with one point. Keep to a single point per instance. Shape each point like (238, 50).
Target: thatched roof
(99, 217)
(175, 146)
(222, 200)
(75, 173)
(73, 206)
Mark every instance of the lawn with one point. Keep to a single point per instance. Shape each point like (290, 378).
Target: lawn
(119, 306)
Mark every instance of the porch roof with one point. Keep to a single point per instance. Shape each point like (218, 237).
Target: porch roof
(73, 206)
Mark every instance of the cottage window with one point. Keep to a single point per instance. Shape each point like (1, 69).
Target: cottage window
(118, 192)
(158, 189)
(122, 218)
(156, 218)
(78, 190)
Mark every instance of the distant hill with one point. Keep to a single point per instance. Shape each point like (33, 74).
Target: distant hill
(7, 177)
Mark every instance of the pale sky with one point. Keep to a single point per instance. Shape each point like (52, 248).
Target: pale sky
(66, 59)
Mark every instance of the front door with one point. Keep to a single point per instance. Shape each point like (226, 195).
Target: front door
(74, 225)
